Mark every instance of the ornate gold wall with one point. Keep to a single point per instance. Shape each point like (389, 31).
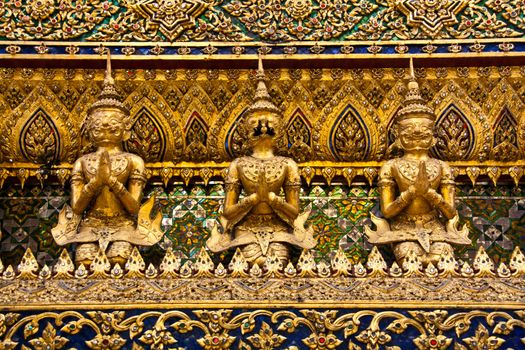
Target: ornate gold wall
(333, 117)
(334, 70)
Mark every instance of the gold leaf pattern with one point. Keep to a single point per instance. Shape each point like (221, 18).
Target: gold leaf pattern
(40, 139)
(146, 139)
(455, 138)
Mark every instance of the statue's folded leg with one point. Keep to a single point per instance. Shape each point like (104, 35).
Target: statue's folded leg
(119, 252)
(402, 249)
(86, 253)
(253, 253)
(437, 249)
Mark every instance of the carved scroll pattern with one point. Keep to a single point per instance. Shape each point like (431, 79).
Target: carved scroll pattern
(264, 329)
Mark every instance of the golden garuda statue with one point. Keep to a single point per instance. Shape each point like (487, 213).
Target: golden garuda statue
(417, 192)
(262, 223)
(106, 188)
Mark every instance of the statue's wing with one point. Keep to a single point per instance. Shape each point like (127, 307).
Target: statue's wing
(454, 235)
(304, 235)
(67, 228)
(218, 242)
(148, 230)
(382, 234)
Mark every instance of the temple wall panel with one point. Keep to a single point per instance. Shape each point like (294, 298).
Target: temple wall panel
(184, 124)
(338, 71)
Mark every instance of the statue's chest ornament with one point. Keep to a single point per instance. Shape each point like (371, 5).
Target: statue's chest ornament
(409, 169)
(118, 164)
(273, 169)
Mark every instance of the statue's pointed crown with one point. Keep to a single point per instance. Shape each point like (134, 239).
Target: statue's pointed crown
(414, 105)
(109, 97)
(262, 101)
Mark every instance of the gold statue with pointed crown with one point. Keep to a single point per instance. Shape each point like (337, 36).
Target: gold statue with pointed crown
(262, 223)
(417, 192)
(106, 188)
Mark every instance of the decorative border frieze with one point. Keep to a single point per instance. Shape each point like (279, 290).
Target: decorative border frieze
(330, 172)
(290, 329)
(201, 280)
(248, 51)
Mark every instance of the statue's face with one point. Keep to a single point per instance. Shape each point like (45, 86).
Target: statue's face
(107, 126)
(262, 125)
(416, 134)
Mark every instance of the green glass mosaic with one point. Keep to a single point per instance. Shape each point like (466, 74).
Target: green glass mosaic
(494, 216)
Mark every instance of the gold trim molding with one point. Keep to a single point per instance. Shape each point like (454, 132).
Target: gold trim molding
(319, 283)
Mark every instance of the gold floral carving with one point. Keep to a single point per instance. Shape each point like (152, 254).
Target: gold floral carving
(299, 137)
(506, 137)
(196, 138)
(431, 15)
(350, 139)
(508, 106)
(170, 16)
(170, 97)
(454, 137)
(52, 19)
(137, 21)
(294, 20)
(262, 329)
(337, 281)
(322, 305)
(40, 142)
(147, 138)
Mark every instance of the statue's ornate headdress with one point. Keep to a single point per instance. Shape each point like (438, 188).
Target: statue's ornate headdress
(109, 97)
(262, 101)
(414, 103)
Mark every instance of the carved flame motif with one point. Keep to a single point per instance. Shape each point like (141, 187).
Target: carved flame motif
(505, 146)
(349, 139)
(431, 15)
(299, 142)
(172, 17)
(455, 137)
(196, 138)
(39, 140)
(146, 138)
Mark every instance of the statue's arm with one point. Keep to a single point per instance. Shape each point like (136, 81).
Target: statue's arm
(390, 205)
(235, 209)
(81, 192)
(131, 196)
(289, 206)
(445, 201)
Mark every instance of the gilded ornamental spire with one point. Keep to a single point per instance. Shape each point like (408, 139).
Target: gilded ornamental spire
(262, 102)
(109, 96)
(414, 103)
